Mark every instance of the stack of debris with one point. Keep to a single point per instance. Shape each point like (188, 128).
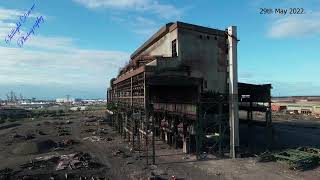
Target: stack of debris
(76, 161)
(72, 161)
(41, 162)
(301, 158)
(100, 131)
(93, 138)
(97, 138)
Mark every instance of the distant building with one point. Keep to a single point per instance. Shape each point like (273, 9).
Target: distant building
(65, 100)
(316, 110)
(275, 107)
(78, 108)
(297, 104)
(300, 108)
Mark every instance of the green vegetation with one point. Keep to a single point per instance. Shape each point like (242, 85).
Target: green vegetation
(47, 113)
(96, 107)
(112, 106)
(14, 113)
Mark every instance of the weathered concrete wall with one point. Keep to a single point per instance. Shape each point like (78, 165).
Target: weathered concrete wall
(206, 55)
(163, 46)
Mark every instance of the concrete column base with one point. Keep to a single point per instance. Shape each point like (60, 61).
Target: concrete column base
(186, 144)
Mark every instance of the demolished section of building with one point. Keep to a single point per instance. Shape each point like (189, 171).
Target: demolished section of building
(181, 86)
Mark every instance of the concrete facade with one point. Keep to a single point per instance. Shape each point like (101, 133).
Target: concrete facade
(205, 53)
(177, 77)
(203, 50)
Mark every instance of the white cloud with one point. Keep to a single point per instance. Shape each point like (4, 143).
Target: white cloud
(61, 63)
(46, 60)
(13, 14)
(162, 10)
(39, 41)
(144, 21)
(113, 3)
(138, 24)
(143, 26)
(295, 26)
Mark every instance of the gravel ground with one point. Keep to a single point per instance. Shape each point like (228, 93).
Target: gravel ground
(118, 162)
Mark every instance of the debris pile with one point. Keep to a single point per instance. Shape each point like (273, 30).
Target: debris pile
(76, 161)
(61, 162)
(97, 138)
(93, 138)
(40, 162)
(100, 131)
(301, 158)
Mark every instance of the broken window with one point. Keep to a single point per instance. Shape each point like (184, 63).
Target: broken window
(174, 48)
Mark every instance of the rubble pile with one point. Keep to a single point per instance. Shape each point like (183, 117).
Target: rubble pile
(40, 162)
(55, 162)
(76, 161)
(301, 158)
(97, 138)
(100, 131)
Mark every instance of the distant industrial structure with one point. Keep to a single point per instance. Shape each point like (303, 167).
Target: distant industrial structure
(181, 86)
(14, 101)
(297, 104)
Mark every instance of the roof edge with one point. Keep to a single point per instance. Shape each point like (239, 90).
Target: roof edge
(170, 27)
(159, 34)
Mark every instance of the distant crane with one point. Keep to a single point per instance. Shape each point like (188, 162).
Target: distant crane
(8, 97)
(12, 97)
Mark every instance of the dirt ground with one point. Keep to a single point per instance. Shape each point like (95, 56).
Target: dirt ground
(91, 148)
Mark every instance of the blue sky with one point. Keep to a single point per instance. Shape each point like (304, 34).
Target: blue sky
(82, 43)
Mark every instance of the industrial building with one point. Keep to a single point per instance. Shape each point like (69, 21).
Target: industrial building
(309, 105)
(181, 86)
(297, 108)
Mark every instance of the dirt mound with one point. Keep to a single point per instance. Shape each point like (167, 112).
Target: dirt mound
(34, 146)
